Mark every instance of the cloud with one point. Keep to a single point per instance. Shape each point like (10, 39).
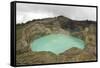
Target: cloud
(27, 12)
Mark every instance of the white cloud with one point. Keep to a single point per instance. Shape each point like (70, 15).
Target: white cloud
(26, 12)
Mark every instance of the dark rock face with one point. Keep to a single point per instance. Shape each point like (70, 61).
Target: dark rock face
(31, 30)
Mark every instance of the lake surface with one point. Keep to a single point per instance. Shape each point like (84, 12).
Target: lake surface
(56, 43)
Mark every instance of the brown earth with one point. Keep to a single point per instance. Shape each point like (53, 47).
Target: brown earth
(31, 30)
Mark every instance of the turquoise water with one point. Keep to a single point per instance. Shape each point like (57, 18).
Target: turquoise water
(56, 43)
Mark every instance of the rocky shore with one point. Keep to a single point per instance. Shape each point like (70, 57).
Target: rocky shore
(31, 30)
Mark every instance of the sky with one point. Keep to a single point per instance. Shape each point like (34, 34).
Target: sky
(26, 12)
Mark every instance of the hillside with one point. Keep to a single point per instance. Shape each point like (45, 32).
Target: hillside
(31, 30)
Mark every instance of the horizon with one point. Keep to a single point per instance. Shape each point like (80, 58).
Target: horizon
(51, 17)
(27, 12)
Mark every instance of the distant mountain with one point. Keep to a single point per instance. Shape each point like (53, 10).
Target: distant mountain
(62, 20)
